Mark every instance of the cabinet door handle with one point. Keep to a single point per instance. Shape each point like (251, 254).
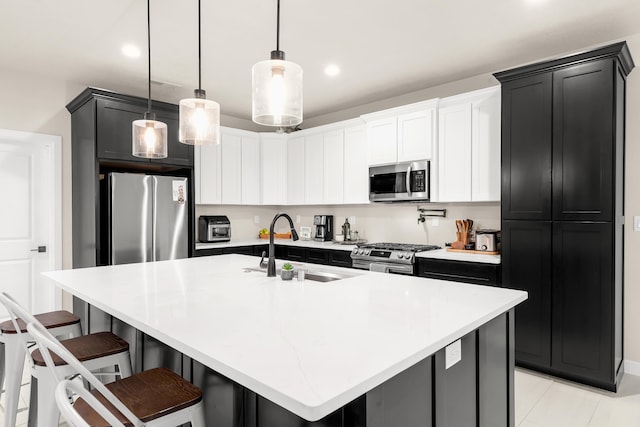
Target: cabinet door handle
(39, 249)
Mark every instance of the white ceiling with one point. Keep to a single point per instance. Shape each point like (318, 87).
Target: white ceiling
(384, 48)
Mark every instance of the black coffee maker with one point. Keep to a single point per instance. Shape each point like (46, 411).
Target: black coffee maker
(324, 227)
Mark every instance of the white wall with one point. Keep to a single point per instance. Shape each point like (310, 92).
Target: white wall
(375, 223)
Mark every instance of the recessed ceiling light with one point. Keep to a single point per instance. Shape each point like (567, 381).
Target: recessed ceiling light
(130, 51)
(332, 70)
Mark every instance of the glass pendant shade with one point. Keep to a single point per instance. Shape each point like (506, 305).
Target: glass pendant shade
(149, 138)
(199, 121)
(277, 93)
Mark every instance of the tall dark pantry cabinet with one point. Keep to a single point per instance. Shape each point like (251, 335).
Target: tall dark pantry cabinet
(563, 124)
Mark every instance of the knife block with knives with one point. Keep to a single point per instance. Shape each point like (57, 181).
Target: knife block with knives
(463, 233)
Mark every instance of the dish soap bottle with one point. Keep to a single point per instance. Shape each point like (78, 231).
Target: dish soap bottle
(346, 229)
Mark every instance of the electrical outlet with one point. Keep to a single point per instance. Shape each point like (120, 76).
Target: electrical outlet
(636, 223)
(435, 222)
(352, 220)
(297, 219)
(256, 220)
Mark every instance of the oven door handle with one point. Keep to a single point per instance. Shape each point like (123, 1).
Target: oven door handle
(408, 181)
(378, 267)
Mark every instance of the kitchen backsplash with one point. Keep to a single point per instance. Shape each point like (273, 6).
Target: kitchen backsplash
(375, 223)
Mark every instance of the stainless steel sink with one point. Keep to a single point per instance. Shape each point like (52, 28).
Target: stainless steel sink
(316, 276)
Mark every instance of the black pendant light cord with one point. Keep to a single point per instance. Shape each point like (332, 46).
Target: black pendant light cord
(199, 50)
(278, 28)
(149, 51)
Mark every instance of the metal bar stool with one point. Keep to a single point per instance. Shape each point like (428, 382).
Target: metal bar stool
(102, 350)
(154, 398)
(59, 323)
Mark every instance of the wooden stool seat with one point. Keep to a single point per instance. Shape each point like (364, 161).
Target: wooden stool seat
(50, 320)
(149, 395)
(87, 347)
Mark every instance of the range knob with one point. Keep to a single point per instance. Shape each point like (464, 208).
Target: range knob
(367, 251)
(400, 255)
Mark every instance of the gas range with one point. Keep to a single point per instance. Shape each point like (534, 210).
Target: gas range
(388, 257)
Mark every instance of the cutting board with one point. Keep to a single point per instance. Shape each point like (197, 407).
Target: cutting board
(465, 251)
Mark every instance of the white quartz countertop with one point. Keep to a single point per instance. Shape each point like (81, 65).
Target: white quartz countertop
(460, 256)
(309, 347)
(288, 242)
(438, 254)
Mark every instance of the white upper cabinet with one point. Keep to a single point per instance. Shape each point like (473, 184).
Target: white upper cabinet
(402, 134)
(454, 153)
(485, 148)
(273, 155)
(356, 166)
(295, 171)
(231, 146)
(208, 174)
(383, 147)
(416, 135)
(468, 160)
(314, 169)
(251, 169)
(334, 167)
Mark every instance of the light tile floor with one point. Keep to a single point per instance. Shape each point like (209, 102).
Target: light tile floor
(540, 401)
(545, 401)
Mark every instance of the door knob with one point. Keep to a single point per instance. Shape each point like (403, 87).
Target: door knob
(39, 249)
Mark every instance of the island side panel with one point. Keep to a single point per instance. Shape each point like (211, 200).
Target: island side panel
(404, 400)
(494, 380)
(456, 387)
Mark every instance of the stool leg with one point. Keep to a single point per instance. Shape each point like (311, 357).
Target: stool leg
(48, 414)
(124, 365)
(14, 364)
(2, 366)
(197, 416)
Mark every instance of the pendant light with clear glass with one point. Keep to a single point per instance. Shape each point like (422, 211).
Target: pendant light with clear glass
(277, 89)
(199, 117)
(149, 136)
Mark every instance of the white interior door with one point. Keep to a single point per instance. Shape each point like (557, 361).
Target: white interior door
(30, 200)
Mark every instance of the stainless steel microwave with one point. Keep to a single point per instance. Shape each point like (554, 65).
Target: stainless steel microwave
(400, 182)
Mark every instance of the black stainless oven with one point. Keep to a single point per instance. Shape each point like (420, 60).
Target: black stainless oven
(400, 182)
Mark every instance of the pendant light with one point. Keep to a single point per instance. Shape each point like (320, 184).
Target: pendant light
(199, 117)
(277, 89)
(149, 135)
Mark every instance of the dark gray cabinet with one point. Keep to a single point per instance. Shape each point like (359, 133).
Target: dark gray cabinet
(476, 273)
(562, 211)
(526, 148)
(526, 265)
(583, 340)
(584, 107)
(101, 143)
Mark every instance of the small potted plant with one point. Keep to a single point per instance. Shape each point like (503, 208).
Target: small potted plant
(287, 272)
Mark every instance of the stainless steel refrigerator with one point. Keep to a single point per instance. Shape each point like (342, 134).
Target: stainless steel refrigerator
(148, 218)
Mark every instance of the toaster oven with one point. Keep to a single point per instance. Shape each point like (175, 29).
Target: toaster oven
(214, 228)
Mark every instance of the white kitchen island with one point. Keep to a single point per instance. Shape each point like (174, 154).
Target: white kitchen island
(309, 347)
